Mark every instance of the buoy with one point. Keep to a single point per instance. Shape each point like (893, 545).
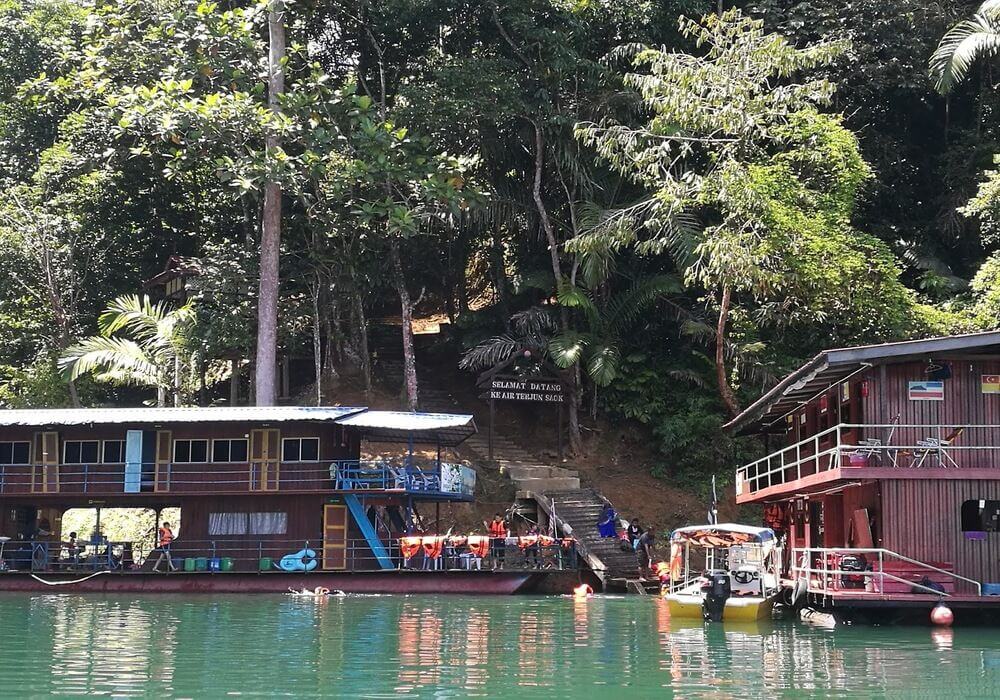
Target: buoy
(942, 615)
(583, 591)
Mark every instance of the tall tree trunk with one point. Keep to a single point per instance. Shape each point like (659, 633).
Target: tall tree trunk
(265, 381)
(361, 323)
(317, 340)
(499, 271)
(725, 391)
(406, 308)
(573, 410)
(177, 380)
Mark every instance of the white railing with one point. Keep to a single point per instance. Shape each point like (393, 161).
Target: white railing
(857, 445)
(828, 577)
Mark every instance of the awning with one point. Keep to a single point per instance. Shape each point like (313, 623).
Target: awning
(723, 535)
(831, 367)
(445, 429)
(41, 417)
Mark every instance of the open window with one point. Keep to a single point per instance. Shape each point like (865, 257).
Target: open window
(981, 515)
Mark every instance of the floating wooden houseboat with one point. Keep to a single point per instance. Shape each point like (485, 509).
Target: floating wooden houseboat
(269, 498)
(883, 476)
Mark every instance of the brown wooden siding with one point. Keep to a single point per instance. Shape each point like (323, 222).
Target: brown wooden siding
(921, 519)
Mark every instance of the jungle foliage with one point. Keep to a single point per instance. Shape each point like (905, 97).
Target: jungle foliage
(674, 207)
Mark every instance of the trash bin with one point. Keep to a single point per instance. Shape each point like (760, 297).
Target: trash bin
(189, 564)
(265, 564)
(215, 564)
(227, 564)
(201, 564)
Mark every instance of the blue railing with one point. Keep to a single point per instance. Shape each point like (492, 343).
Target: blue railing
(406, 476)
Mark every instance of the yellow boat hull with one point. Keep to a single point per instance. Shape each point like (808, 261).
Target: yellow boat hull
(740, 609)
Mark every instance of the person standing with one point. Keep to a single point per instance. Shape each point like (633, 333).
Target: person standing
(164, 538)
(498, 539)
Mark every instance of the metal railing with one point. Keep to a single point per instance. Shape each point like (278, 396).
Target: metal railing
(859, 445)
(253, 554)
(828, 577)
(405, 475)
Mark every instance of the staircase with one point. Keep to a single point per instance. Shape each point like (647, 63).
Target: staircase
(577, 511)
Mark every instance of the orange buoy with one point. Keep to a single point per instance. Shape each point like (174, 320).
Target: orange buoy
(942, 615)
(583, 591)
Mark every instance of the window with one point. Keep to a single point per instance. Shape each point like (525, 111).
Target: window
(247, 524)
(227, 523)
(300, 450)
(81, 451)
(268, 523)
(981, 516)
(229, 450)
(190, 451)
(15, 452)
(113, 452)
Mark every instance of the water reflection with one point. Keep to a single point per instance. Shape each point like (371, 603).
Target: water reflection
(455, 646)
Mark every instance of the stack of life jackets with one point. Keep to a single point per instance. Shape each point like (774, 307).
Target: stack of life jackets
(433, 545)
(409, 546)
(479, 545)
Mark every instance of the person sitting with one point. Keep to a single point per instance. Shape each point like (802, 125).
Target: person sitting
(633, 533)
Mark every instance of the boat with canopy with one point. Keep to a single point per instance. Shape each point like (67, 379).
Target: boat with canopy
(725, 572)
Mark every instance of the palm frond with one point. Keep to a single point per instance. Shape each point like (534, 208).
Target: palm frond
(573, 297)
(491, 352)
(603, 363)
(119, 358)
(626, 307)
(568, 347)
(962, 45)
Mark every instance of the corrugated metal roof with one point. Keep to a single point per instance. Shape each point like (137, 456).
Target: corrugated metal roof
(238, 414)
(833, 366)
(448, 429)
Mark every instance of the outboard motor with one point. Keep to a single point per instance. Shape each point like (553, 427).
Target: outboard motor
(717, 589)
(853, 562)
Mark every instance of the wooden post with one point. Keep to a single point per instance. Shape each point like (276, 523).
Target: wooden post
(492, 419)
(559, 431)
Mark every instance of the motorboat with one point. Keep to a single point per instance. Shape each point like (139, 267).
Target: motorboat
(723, 573)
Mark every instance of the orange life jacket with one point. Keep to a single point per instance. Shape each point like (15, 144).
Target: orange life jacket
(527, 541)
(457, 540)
(432, 546)
(479, 545)
(409, 546)
(165, 536)
(675, 561)
(498, 529)
(546, 541)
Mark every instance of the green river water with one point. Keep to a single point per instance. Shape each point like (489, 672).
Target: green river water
(449, 646)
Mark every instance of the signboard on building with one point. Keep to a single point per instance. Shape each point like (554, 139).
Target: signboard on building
(991, 383)
(519, 389)
(926, 391)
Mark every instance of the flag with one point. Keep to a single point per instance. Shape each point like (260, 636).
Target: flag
(926, 391)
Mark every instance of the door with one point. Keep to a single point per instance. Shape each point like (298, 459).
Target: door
(334, 537)
(161, 473)
(45, 472)
(265, 459)
(133, 461)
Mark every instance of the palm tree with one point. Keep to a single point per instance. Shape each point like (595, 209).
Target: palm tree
(969, 40)
(598, 348)
(152, 354)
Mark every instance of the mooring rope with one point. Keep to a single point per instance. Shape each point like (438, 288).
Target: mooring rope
(67, 583)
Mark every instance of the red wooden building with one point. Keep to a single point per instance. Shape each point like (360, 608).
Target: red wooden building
(268, 498)
(883, 472)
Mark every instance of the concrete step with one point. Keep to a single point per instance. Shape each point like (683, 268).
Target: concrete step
(519, 472)
(539, 486)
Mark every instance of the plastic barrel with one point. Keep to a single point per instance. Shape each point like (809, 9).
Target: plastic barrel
(189, 564)
(227, 564)
(200, 564)
(215, 564)
(265, 564)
